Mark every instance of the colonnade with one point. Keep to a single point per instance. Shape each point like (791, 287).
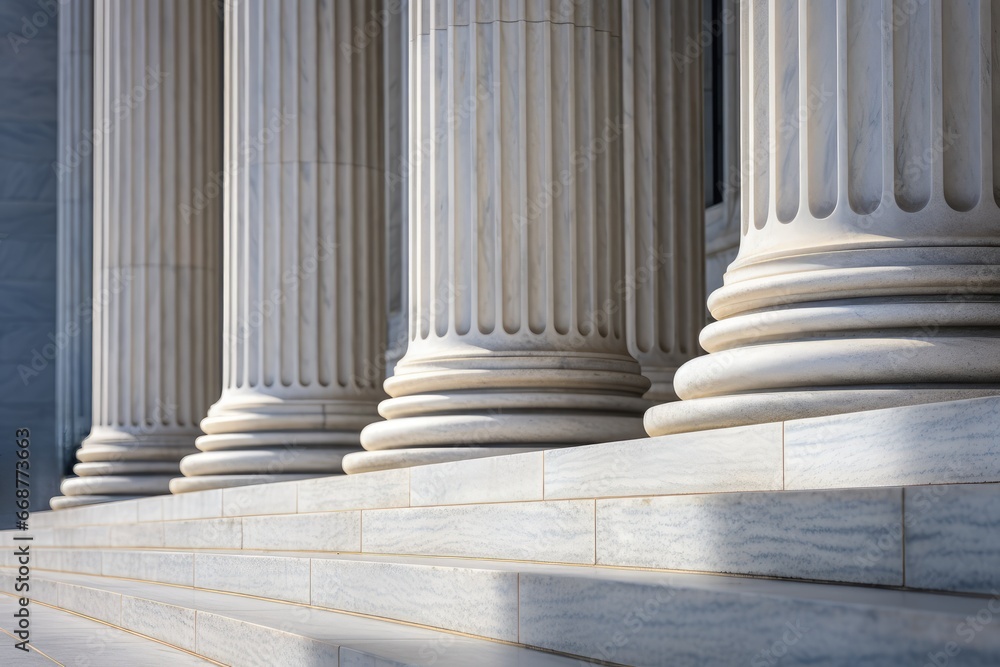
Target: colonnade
(555, 236)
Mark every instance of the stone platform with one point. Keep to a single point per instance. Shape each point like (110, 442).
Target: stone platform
(863, 539)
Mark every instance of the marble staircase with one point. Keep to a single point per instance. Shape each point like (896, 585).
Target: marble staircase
(866, 539)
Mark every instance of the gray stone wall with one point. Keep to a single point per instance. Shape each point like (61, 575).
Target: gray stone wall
(28, 187)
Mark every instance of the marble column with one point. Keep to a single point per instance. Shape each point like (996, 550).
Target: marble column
(74, 169)
(869, 269)
(722, 153)
(397, 100)
(156, 244)
(664, 211)
(304, 296)
(517, 277)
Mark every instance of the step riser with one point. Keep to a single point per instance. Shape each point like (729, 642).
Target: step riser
(649, 625)
(949, 535)
(66, 638)
(472, 601)
(229, 641)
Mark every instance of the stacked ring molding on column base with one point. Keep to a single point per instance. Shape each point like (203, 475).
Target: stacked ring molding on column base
(117, 465)
(470, 406)
(661, 389)
(66, 502)
(823, 334)
(253, 441)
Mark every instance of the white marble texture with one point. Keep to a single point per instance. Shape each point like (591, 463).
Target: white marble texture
(125, 511)
(94, 602)
(156, 566)
(559, 531)
(324, 531)
(149, 509)
(137, 535)
(279, 578)
(953, 538)
(737, 459)
(197, 505)
(304, 296)
(156, 320)
(469, 600)
(826, 535)
(172, 624)
(369, 491)
(84, 561)
(486, 480)
(941, 443)
(82, 536)
(204, 534)
(242, 644)
(277, 498)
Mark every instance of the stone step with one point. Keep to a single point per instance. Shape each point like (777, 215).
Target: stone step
(245, 631)
(59, 637)
(614, 616)
(477, 597)
(941, 537)
(941, 443)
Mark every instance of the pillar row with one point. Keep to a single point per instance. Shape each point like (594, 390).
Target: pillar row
(304, 322)
(517, 277)
(156, 245)
(869, 267)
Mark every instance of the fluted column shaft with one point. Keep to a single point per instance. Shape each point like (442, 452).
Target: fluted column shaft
(517, 277)
(869, 269)
(304, 302)
(664, 214)
(156, 243)
(75, 173)
(397, 100)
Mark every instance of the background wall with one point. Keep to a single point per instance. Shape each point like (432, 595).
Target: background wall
(28, 85)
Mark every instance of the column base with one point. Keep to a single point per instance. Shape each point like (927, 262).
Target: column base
(66, 502)
(702, 414)
(467, 406)
(290, 459)
(409, 458)
(136, 485)
(252, 438)
(661, 388)
(478, 404)
(118, 464)
(209, 482)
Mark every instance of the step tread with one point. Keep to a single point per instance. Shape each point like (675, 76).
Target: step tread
(330, 633)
